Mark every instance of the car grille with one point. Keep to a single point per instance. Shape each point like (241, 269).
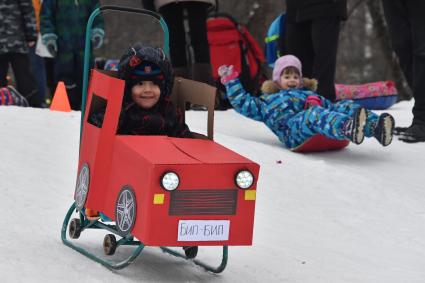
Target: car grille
(203, 202)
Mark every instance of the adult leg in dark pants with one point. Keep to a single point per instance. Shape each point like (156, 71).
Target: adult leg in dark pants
(4, 66)
(315, 43)
(68, 68)
(173, 15)
(407, 30)
(299, 43)
(197, 14)
(198, 67)
(25, 81)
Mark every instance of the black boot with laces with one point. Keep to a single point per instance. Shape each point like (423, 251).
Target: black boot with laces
(384, 129)
(354, 128)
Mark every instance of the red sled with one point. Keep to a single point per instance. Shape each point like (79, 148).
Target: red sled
(319, 143)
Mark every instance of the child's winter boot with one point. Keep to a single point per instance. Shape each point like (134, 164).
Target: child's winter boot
(384, 129)
(354, 128)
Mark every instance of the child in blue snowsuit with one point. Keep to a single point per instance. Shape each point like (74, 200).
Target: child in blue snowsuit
(295, 113)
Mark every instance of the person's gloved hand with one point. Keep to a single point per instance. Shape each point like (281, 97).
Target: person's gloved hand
(96, 37)
(49, 39)
(227, 73)
(312, 100)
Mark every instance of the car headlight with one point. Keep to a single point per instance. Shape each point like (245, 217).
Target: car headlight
(170, 181)
(244, 179)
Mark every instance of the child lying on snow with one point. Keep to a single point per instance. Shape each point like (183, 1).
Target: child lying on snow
(295, 113)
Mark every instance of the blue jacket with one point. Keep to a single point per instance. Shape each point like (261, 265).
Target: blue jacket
(274, 109)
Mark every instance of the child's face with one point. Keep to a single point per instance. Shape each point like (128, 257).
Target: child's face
(145, 94)
(290, 80)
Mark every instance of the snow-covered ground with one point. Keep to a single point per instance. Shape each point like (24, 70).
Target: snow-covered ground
(356, 215)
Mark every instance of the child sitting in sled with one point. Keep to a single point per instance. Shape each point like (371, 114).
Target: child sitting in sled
(295, 113)
(147, 108)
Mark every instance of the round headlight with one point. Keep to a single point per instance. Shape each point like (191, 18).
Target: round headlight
(170, 181)
(244, 179)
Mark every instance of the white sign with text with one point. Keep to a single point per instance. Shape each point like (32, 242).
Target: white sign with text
(203, 230)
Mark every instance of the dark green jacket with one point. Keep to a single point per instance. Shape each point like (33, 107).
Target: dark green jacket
(68, 20)
(17, 25)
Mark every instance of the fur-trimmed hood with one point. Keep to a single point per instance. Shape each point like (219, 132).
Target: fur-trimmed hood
(270, 86)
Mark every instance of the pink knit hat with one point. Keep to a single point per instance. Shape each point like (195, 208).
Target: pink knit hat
(284, 62)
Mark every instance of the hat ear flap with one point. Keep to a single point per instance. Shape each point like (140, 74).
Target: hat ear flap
(161, 53)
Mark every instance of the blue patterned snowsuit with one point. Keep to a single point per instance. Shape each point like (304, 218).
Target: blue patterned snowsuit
(283, 112)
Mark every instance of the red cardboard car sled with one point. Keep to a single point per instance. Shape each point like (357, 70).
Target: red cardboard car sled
(125, 178)
(158, 190)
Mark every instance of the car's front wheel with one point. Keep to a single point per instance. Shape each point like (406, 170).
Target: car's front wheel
(125, 210)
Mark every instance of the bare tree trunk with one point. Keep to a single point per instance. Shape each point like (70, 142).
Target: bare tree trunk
(379, 25)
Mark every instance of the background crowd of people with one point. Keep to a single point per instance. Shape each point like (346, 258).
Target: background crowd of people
(312, 33)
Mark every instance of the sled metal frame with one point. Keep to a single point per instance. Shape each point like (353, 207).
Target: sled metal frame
(125, 241)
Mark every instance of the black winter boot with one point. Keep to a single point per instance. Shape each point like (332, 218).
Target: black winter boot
(354, 128)
(384, 129)
(415, 133)
(399, 130)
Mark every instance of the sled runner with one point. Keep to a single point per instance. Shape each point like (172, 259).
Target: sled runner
(157, 191)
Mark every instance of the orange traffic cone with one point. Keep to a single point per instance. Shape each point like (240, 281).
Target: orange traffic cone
(60, 100)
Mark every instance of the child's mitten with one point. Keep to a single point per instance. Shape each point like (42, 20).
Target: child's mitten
(227, 73)
(49, 39)
(312, 100)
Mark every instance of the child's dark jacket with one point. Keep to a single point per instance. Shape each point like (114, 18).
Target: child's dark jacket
(163, 118)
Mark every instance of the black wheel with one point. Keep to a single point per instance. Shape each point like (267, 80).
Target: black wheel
(82, 186)
(75, 228)
(125, 210)
(191, 252)
(109, 244)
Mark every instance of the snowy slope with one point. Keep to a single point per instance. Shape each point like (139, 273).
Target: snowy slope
(357, 215)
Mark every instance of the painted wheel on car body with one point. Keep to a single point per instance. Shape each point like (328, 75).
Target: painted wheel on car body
(82, 187)
(125, 210)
